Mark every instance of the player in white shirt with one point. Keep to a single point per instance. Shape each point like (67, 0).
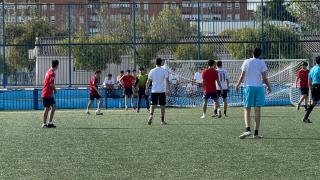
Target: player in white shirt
(224, 80)
(174, 82)
(109, 85)
(253, 72)
(197, 76)
(160, 79)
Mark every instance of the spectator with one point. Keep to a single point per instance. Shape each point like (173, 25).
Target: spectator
(109, 85)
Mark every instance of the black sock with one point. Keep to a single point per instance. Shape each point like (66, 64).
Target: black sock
(256, 132)
(305, 106)
(215, 111)
(309, 112)
(248, 129)
(225, 112)
(162, 118)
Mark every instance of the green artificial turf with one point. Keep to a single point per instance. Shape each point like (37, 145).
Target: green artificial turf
(120, 145)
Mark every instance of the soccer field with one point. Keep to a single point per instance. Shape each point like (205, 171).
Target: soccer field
(120, 145)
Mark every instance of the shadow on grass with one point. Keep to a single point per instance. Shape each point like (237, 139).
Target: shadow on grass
(109, 128)
(292, 138)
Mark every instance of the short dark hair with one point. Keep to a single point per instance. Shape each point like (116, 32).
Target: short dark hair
(141, 68)
(98, 72)
(305, 63)
(158, 61)
(128, 71)
(211, 62)
(257, 52)
(219, 63)
(134, 70)
(122, 71)
(109, 75)
(54, 63)
(318, 60)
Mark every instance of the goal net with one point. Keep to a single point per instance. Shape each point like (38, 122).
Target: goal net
(187, 92)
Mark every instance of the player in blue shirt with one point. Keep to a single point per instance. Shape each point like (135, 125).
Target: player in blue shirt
(314, 84)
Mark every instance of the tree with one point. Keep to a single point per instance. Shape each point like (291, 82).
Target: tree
(281, 43)
(307, 13)
(190, 52)
(276, 10)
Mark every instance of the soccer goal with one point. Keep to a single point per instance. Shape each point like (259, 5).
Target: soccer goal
(188, 93)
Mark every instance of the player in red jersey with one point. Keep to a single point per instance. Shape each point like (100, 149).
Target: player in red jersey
(210, 77)
(128, 82)
(94, 92)
(302, 77)
(47, 95)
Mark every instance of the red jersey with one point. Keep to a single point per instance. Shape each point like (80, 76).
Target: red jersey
(303, 77)
(47, 90)
(209, 77)
(127, 81)
(93, 83)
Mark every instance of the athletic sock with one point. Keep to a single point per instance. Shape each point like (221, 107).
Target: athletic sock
(309, 111)
(256, 132)
(248, 129)
(162, 118)
(305, 107)
(215, 111)
(225, 112)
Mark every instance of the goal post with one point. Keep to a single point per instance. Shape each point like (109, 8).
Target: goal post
(189, 93)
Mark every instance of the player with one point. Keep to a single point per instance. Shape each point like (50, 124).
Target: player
(174, 81)
(314, 85)
(140, 83)
(252, 71)
(128, 81)
(94, 92)
(210, 78)
(48, 89)
(198, 77)
(302, 77)
(224, 80)
(160, 79)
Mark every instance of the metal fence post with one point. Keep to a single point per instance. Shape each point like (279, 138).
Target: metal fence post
(199, 47)
(134, 34)
(5, 77)
(35, 99)
(262, 28)
(69, 43)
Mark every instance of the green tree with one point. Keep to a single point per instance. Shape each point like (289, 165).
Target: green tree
(307, 13)
(277, 10)
(190, 52)
(281, 43)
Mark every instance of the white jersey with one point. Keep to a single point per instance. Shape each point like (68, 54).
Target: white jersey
(197, 77)
(158, 76)
(253, 68)
(223, 76)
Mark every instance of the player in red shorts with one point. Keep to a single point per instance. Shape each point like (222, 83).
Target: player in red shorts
(210, 76)
(128, 81)
(94, 92)
(302, 77)
(47, 95)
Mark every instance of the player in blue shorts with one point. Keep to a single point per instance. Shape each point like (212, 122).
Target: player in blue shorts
(314, 84)
(252, 71)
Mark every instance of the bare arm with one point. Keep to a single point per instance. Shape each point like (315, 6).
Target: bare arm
(310, 83)
(228, 83)
(147, 86)
(296, 83)
(53, 87)
(266, 81)
(243, 73)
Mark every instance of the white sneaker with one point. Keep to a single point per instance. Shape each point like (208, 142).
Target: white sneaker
(203, 116)
(219, 113)
(257, 136)
(245, 134)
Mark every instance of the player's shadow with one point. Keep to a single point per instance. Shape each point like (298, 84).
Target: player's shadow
(87, 128)
(292, 138)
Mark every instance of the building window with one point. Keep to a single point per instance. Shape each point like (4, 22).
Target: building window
(94, 18)
(217, 4)
(229, 17)
(52, 7)
(145, 5)
(229, 5)
(174, 5)
(237, 17)
(52, 19)
(165, 4)
(237, 5)
(44, 7)
(81, 19)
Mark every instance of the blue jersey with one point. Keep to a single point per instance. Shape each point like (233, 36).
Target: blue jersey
(315, 74)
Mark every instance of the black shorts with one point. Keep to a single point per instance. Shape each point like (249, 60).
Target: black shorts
(158, 98)
(304, 91)
(315, 92)
(128, 91)
(224, 95)
(48, 101)
(142, 92)
(213, 96)
(95, 96)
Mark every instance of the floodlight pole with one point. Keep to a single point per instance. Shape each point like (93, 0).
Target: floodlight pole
(262, 29)
(69, 43)
(199, 47)
(5, 77)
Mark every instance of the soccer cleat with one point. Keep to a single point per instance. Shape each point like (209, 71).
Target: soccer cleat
(298, 107)
(219, 113)
(257, 137)
(163, 123)
(44, 126)
(138, 110)
(214, 115)
(245, 134)
(51, 126)
(150, 120)
(307, 121)
(203, 116)
(88, 113)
